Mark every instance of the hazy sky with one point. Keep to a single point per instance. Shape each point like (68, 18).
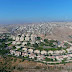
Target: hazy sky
(20, 11)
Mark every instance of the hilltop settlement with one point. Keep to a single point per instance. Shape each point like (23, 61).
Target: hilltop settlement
(32, 47)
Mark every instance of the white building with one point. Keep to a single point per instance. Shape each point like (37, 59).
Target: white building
(37, 51)
(56, 52)
(40, 57)
(17, 38)
(30, 50)
(44, 52)
(24, 49)
(50, 52)
(41, 40)
(14, 42)
(21, 38)
(17, 47)
(32, 42)
(18, 42)
(24, 43)
(27, 35)
(33, 37)
(12, 52)
(23, 35)
(37, 42)
(25, 54)
(17, 53)
(13, 37)
(32, 55)
(27, 38)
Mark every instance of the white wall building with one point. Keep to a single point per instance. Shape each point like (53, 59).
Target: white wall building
(18, 42)
(50, 52)
(37, 51)
(30, 50)
(14, 42)
(24, 43)
(24, 49)
(33, 37)
(17, 38)
(27, 38)
(17, 47)
(13, 37)
(44, 52)
(21, 38)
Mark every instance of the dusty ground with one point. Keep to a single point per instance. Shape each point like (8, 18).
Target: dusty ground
(3, 30)
(17, 65)
(61, 33)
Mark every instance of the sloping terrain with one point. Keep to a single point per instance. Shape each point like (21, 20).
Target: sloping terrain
(61, 33)
(13, 64)
(3, 30)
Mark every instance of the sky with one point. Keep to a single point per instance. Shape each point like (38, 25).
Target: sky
(22, 11)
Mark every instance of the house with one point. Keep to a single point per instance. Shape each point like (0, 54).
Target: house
(50, 52)
(17, 38)
(49, 39)
(17, 47)
(17, 53)
(12, 52)
(13, 37)
(30, 50)
(14, 42)
(33, 37)
(27, 38)
(32, 56)
(59, 59)
(65, 56)
(18, 42)
(27, 35)
(32, 42)
(24, 49)
(62, 51)
(25, 54)
(69, 49)
(37, 51)
(70, 55)
(21, 38)
(23, 35)
(37, 42)
(24, 43)
(40, 57)
(41, 40)
(44, 52)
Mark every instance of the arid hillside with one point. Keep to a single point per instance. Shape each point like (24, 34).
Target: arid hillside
(61, 33)
(13, 64)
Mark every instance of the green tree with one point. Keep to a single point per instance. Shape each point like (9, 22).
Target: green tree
(46, 40)
(38, 38)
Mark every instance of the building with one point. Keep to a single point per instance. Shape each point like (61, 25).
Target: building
(17, 38)
(36, 51)
(14, 42)
(27, 38)
(50, 52)
(17, 53)
(33, 37)
(44, 52)
(21, 38)
(30, 50)
(18, 42)
(24, 49)
(24, 43)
